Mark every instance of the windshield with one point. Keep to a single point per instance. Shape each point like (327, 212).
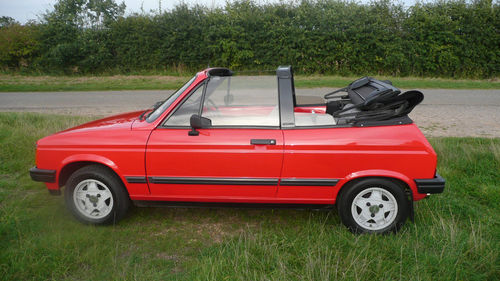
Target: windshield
(156, 113)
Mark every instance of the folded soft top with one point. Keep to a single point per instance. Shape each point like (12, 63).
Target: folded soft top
(371, 99)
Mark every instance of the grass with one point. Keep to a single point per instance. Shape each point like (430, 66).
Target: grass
(455, 236)
(19, 83)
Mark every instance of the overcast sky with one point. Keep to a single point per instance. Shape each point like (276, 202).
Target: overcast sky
(24, 10)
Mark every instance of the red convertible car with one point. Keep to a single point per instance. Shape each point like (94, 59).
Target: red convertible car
(226, 139)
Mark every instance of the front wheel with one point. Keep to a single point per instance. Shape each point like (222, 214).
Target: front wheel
(373, 206)
(95, 195)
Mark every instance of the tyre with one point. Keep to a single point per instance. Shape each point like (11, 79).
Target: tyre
(373, 206)
(95, 195)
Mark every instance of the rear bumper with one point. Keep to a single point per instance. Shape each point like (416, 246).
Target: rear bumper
(43, 175)
(435, 185)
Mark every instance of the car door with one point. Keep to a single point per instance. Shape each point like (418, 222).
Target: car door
(237, 159)
(312, 162)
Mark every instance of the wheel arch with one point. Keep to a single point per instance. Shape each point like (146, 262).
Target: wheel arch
(73, 163)
(397, 181)
(408, 185)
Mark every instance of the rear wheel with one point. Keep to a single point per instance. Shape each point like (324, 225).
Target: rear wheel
(95, 195)
(373, 206)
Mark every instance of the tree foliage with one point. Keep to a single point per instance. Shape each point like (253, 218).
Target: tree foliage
(7, 21)
(446, 38)
(18, 45)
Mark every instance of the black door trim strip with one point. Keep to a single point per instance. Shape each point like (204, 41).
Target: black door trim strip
(136, 179)
(214, 181)
(235, 181)
(308, 182)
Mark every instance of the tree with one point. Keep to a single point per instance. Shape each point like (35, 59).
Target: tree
(85, 13)
(18, 45)
(7, 21)
(73, 34)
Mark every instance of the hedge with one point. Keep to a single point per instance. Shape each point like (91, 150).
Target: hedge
(440, 39)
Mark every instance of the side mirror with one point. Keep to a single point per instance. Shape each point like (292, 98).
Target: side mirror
(198, 122)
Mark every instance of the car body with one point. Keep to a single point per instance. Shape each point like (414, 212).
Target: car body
(241, 146)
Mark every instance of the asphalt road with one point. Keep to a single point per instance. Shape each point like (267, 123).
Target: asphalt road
(442, 113)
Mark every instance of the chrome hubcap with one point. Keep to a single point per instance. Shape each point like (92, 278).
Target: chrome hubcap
(93, 199)
(374, 208)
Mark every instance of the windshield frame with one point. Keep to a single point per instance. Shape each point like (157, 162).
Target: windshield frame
(158, 111)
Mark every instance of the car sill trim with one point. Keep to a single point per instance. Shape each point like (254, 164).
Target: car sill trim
(236, 205)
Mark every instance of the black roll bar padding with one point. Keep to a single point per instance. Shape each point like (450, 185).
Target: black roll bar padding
(220, 71)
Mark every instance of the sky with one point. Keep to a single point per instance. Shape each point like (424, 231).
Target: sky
(24, 10)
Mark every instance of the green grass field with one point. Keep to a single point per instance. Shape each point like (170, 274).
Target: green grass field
(455, 235)
(19, 83)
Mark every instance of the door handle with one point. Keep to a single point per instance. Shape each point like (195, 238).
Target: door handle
(263, 141)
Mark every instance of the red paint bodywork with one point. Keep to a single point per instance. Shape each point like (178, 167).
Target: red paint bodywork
(135, 148)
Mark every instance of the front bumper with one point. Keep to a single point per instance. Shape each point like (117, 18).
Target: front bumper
(435, 185)
(43, 175)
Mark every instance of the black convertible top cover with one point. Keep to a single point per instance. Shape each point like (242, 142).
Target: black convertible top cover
(368, 90)
(374, 100)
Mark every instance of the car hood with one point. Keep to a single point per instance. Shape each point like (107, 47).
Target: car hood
(122, 121)
(113, 130)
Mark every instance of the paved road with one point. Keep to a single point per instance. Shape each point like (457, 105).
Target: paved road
(442, 113)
